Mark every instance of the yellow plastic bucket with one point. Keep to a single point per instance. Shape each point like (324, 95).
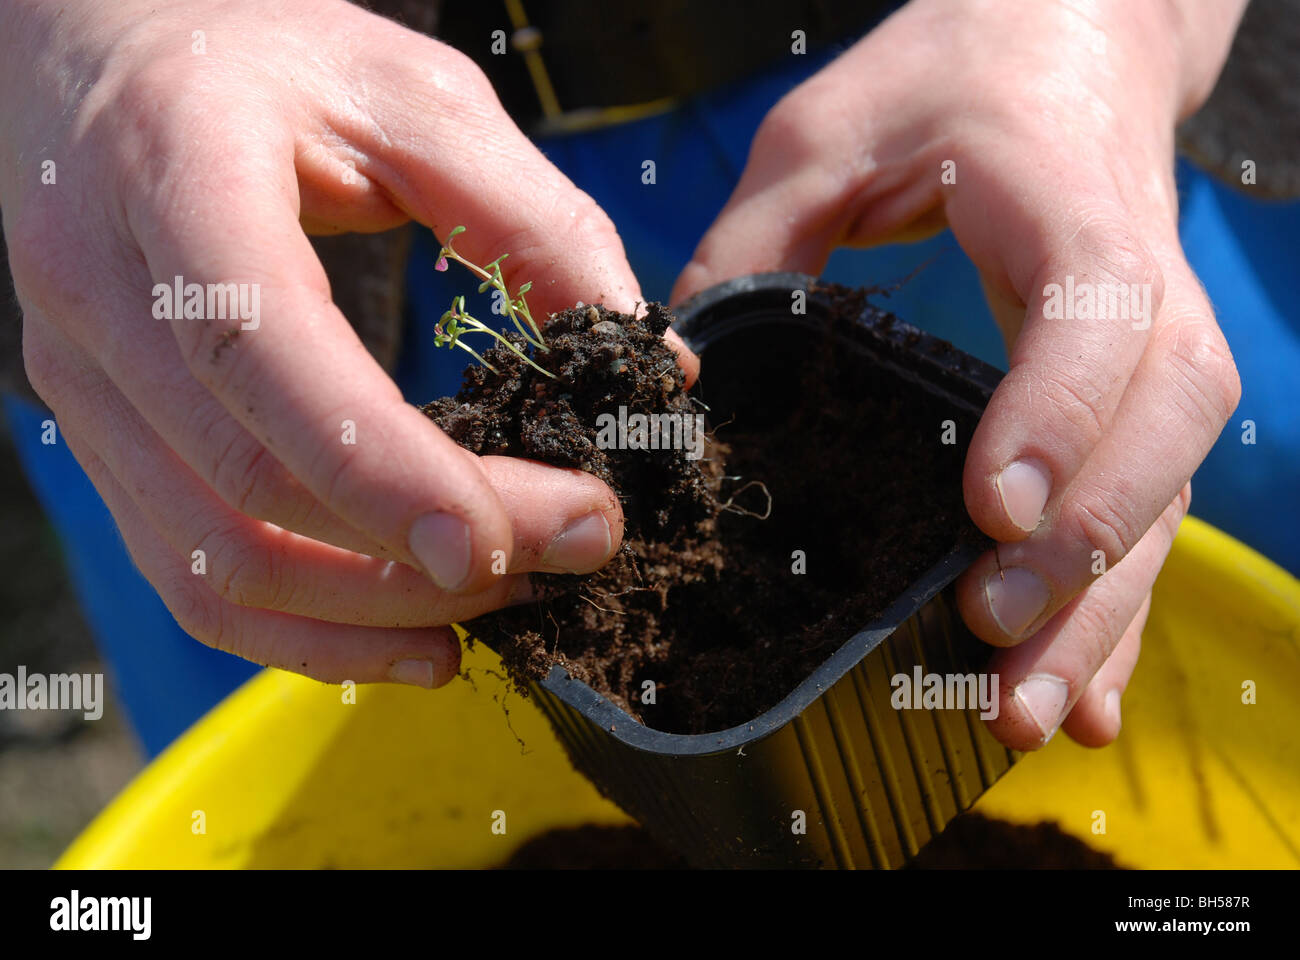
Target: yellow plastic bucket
(288, 772)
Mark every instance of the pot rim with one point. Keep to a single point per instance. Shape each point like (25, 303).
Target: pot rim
(698, 327)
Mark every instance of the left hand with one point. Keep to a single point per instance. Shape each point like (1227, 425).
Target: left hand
(1059, 129)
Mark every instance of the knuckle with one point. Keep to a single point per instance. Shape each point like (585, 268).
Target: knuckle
(196, 609)
(159, 107)
(247, 477)
(1094, 626)
(238, 569)
(1200, 364)
(1105, 257)
(339, 479)
(165, 85)
(591, 228)
(161, 110)
(221, 632)
(437, 79)
(1076, 396)
(460, 76)
(40, 366)
(247, 574)
(789, 130)
(1104, 521)
(1107, 246)
(39, 248)
(149, 89)
(257, 575)
(587, 227)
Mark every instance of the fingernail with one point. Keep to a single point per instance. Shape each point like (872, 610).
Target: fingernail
(581, 546)
(418, 673)
(441, 543)
(1024, 487)
(1043, 696)
(1112, 709)
(1016, 597)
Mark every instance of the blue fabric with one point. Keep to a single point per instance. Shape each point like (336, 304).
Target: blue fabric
(164, 679)
(1243, 250)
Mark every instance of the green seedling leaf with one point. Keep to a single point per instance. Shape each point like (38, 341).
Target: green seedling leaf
(456, 321)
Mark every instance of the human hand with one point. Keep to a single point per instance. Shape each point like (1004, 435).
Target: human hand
(1056, 122)
(198, 140)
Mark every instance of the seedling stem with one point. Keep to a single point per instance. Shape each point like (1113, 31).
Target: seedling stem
(516, 307)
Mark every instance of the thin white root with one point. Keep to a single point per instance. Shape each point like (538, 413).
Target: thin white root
(731, 506)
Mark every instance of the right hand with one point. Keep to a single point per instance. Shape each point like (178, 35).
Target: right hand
(318, 116)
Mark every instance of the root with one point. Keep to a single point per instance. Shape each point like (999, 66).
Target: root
(622, 593)
(523, 747)
(712, 434)
(731, 507)
(498, 698)
(556, 646)
(617, 613)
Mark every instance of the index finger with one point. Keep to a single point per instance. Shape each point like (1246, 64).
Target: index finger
(447, 153)
(223, 232)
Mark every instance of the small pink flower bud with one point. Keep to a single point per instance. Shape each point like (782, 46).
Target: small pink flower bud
(441, 265)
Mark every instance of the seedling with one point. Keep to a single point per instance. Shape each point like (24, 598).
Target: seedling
(457, 321)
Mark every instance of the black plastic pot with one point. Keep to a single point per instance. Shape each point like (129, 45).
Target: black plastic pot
(873, 784)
